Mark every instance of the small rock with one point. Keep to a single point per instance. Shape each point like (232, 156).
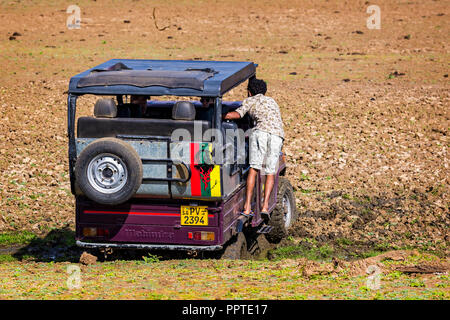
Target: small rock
(395, 256)
(126, 21)
(396, 74)
(87, 258)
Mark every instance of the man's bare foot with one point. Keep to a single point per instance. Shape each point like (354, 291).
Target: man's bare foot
(249, 214)
(265, 214)
(247, 210)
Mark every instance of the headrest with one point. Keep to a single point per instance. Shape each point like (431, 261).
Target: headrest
(105, 108)
(183, 110)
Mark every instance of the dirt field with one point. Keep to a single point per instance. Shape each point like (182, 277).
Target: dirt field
(366, 112)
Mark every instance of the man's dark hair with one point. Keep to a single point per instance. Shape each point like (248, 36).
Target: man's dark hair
(257, 86)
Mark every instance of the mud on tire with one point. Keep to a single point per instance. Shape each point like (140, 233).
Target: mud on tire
(109, 171)
(285, 212)
(236, 248)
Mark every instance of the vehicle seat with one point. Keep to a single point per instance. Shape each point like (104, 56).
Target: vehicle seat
(105, 108)
(183, 110)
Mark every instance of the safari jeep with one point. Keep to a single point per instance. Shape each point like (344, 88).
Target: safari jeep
(175, 178)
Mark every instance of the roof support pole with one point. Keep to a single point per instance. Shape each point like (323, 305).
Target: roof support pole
(71, 111)
(218, 113)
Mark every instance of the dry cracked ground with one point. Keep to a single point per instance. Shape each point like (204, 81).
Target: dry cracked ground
(366, 111)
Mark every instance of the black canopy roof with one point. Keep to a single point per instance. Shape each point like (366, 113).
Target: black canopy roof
(162, 77)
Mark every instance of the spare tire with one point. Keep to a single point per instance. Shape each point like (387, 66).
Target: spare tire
(109, 171)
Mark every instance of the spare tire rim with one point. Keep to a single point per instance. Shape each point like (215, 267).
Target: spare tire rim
(107, 173)
(287, 211)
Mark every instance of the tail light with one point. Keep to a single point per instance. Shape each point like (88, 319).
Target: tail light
(102, 232)
(201, 235)
(95, 232)
(90, 232)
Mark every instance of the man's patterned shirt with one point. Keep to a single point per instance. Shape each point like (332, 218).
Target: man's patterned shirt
(265, 111)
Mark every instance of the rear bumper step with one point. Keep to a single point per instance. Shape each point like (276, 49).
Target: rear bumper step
(146, 246)
(265, 229)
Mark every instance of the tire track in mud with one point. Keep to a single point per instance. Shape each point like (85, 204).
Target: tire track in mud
(358, 224)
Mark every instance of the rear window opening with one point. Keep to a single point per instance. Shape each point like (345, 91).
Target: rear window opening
(157, 121)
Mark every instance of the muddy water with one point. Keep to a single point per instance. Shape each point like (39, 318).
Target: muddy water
(11, 249)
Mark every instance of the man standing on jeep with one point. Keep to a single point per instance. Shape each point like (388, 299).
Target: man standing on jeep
(266, 139)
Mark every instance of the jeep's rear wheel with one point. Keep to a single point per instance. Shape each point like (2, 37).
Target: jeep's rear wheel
(109, 171)
(236, 249)
(284, 214)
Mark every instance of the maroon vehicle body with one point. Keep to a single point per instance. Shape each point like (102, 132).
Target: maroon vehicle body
(155, 224)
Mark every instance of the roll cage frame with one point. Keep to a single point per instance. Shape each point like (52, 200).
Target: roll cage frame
(227, 75)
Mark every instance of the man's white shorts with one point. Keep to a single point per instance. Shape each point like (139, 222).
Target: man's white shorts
(265, 149)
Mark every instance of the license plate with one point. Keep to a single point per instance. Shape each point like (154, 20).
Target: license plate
(194, 216)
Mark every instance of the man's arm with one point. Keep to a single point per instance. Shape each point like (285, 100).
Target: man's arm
(232, 115)
(239, 112)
